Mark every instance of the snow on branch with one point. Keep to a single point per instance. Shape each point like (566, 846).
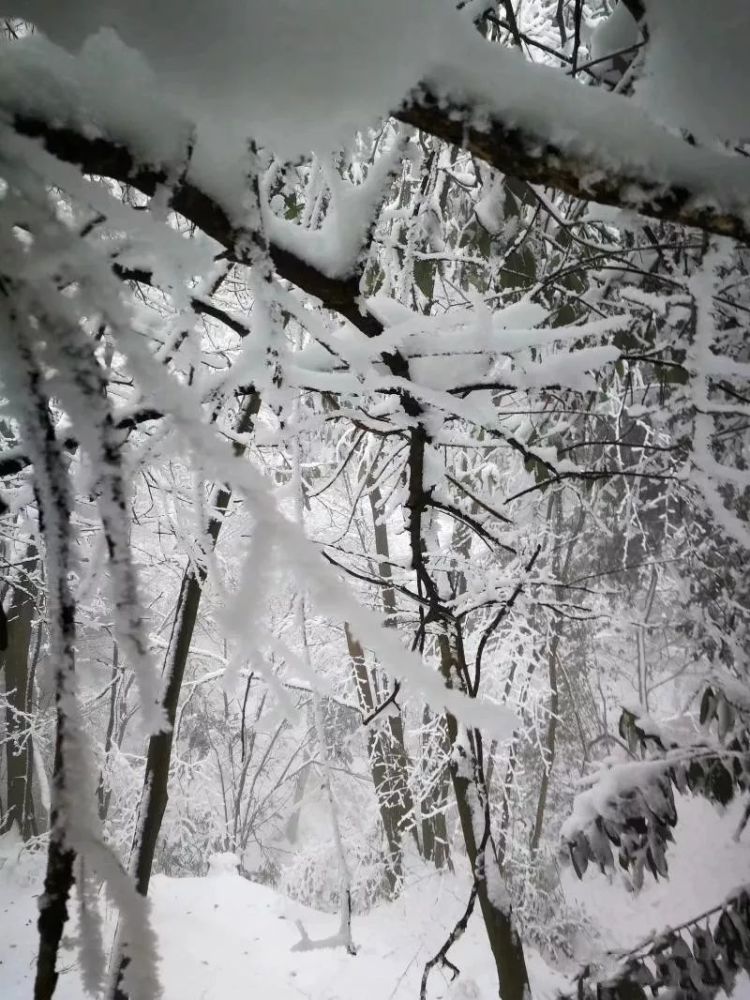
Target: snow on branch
(712, 193)
(631, 805)
(529, 121)
(15, 460)
(662, 176)
(114, 159)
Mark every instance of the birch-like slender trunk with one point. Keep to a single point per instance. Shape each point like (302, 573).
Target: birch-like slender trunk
(389, 760)
(435, 845)
(344, 935)
(467, 762)
(52, 487)
(561, 568)
(155, 792)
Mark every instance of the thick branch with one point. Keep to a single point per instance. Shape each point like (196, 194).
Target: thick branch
(109, 158)
(588, 174)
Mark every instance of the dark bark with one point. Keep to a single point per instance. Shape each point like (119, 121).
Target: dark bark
(470, 789)
(103, 793)
(388, 766)
(396, 757)
(16, 460)
(58, 882)
(435, 846)
(561, 570)
(110, 158)
(505, 944)
(159, 754)
(441, 958)
(637, 9)
(389, 760)
(550, 741)
(52, 490)
(534, 158)
(16, 660)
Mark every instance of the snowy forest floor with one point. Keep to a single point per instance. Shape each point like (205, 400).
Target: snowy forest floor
(221, 936)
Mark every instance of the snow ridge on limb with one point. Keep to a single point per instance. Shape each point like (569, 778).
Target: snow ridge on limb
(528, 121)
(589, 173)
(534, 123)
(113, 158)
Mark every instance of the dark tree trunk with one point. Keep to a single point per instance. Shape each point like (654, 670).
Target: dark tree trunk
(389, 760)
(16, 660)
(159, 754)
(388, 765)
(470, 789)
(435, 847)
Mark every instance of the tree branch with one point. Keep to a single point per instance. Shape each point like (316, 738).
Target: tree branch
(110, 158)
(15, 460)
(588, 174)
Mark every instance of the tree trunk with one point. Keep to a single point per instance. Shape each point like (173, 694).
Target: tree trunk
(159, 754)
(19, 691)
(389, 760)
(551, 738)
(560, 569)
(103, 792)
(435, 847)
(388, 765)
(469, 786)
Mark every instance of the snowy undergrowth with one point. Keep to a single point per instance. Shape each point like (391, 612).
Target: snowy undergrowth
(706, 864)
(221, 936)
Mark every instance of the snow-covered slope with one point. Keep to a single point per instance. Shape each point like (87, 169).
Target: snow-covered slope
(224, 938)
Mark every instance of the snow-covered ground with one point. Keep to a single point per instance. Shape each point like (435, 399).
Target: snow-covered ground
(224, 938)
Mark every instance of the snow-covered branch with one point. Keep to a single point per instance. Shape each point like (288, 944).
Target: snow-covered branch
(712, 192)
(108, 157)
